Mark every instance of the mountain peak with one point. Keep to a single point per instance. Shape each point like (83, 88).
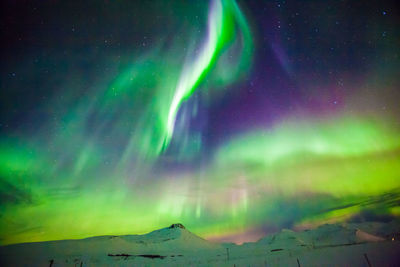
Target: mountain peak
(177, 225)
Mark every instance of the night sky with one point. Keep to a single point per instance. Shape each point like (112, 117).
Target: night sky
(234, 118)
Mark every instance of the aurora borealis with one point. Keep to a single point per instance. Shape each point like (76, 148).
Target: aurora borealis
(234, 118)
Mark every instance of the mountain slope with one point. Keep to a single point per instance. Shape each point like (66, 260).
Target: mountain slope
(350, 245)
(170, 241)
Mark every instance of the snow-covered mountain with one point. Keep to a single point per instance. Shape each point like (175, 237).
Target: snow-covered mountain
(351, 244)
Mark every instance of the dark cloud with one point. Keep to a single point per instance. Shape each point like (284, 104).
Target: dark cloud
(11, 194)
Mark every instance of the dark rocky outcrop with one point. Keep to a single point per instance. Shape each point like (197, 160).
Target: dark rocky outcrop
(177, 225)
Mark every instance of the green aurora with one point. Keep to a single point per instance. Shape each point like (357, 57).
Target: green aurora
(227, 30)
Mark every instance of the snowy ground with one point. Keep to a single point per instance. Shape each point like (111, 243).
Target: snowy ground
(367, 244)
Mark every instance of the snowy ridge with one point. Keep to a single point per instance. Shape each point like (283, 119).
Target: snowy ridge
(175, 245)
